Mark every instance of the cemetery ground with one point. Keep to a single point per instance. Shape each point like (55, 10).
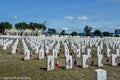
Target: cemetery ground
(13, 65)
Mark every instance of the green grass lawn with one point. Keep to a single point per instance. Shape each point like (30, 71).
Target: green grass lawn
(15, 66)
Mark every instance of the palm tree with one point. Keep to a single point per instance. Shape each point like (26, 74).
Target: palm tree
(87, 30)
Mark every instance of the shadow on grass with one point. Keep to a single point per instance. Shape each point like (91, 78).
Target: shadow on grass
(93, 65)
(61, 67)
(36, 58)
(119, 64)
(79, 66)
(22, 59)
(107, 64)
(21, 53)
(43, 69)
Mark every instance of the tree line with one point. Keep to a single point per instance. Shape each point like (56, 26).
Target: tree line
(38, 26)
(22, 26)
(87, 31)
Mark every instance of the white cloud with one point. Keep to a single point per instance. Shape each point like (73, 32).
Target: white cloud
(15, 17)
(69, 17)
(83, 18)
(65, 28)
(103, 19)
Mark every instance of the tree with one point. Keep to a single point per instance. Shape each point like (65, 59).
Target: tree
(87, 30)
(97, 33)
(5, 25)
(74, 33)
(63, 32)
(31, 25)
(106, 34)
(21, 25)
(116, 35)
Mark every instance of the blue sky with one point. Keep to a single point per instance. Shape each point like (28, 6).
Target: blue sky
(72, 15)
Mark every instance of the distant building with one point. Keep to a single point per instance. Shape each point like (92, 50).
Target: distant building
(117, 31)
(51, 31)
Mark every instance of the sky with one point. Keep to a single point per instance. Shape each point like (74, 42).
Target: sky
(70, 15)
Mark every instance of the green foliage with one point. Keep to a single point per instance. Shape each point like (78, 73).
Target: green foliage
(106, 34)
(116, 35)
(63, 32)
(21, 25)
(5, 25)
(87, 30)
(97, 33)
(74, 33)
(31, 25)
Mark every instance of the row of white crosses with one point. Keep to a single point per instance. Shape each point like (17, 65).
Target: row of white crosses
(7, 43)
(50, 62)
(1, 41)
(6, 40)
(68, 62)
(49, 45)
(32, 45)
(100, 74)
(43, 48)
(112, 42)
(15, 46)
(100, 60)
(10, 36)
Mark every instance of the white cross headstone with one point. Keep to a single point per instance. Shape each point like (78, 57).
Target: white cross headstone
(4, 47)
(100, 60)
(50, 62)
(37, 49)
(98, 51)
(108, 53)
(88, 52)
(66, 52)
(118, 52)
(13, 50)
(100, 74)
(101, 45)
(78, 53)
(83, 49)
(68, 62)
(55, 53)
(27, 55)
(114, 60)
(47, 50)
(41, 54)
(85, 61)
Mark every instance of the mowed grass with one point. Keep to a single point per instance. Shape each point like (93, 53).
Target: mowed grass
(14, 66)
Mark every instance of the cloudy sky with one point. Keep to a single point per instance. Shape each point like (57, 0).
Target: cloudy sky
(71, 15)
